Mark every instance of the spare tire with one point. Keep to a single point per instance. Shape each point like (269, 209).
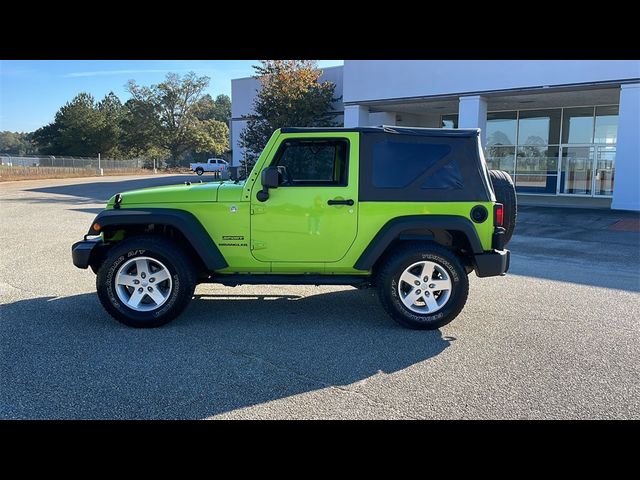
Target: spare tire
(505, 192)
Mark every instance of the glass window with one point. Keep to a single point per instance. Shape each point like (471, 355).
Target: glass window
(449, 121)
(501, 128)
(397, 164)
(537, 160)
(501, 158)
(606, 125)
(539, 127)
(537, 169)
(577, 125)
(313, 162)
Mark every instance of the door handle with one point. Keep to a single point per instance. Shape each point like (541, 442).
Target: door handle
(340, 202)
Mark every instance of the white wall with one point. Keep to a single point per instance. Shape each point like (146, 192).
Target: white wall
(236, 127)
(386, 79)
(243, 91)
(626, 190)
(405, 119)
(381, 118)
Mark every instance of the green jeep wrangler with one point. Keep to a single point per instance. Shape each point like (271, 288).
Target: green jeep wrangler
(408, 211)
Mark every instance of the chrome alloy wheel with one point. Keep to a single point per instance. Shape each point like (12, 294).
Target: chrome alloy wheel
(424, 287)
(143, 284)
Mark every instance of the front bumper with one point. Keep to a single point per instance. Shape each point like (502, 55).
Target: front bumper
(81, 251)
(493, 263)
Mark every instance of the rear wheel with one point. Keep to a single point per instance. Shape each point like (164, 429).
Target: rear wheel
(506, 195)
(422, 286)
(199, 170)
(145, 281)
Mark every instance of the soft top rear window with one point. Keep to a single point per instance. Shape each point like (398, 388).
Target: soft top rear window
(409, 168)
(397, 164)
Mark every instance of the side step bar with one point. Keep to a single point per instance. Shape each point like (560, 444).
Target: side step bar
(232, 280)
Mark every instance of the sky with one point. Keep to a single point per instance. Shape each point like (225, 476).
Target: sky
(32, 91)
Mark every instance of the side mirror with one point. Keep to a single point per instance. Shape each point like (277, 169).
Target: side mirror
(270, 179)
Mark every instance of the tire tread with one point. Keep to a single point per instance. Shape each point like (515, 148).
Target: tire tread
(166, 248)
(407, 252)
(505, 191)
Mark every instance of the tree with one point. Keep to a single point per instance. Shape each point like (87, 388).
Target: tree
(83, 127)
(109, 133)
(16, 143)
(169, 116)
(164, 121)
(218, 109)
(73, 129)
(140, 129)
(290, 96)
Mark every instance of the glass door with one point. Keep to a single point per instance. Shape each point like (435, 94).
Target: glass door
(605, 170)
(576, 170)
(587, 170)
(588, 151)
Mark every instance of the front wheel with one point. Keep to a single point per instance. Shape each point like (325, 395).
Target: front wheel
(199, 171)
(145, 281)
(422, 286)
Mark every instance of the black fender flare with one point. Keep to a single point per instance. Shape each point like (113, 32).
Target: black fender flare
(181, 220)
(396, 227)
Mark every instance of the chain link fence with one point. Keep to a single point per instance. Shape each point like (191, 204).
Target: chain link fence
(26, 166)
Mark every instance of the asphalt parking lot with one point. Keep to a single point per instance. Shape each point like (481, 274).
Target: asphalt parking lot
(559, 337)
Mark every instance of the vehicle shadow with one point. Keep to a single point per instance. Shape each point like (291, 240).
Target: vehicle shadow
(66, 358)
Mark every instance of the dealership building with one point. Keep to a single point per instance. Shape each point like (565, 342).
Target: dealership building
(568, 132)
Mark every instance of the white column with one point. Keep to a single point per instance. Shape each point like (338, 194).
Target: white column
(626, 187)
(472, 113)
(356, 116)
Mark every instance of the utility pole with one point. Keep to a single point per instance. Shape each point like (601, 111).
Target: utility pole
(154, 166)
(100, 172)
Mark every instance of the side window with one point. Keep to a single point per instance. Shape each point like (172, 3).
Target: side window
(398, 164)
(313, 162)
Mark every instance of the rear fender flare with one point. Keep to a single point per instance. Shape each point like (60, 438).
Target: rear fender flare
(395, 228)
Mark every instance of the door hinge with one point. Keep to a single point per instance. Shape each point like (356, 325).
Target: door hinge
(255, 210)
(256, 245)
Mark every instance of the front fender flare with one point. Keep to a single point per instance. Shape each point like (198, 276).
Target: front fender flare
(181, 220)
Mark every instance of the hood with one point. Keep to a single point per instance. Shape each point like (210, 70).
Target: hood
(183, 193)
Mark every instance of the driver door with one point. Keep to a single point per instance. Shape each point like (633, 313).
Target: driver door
(313, 214)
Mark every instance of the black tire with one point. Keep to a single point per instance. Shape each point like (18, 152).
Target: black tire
(199, 170)
(505, 192)
(183, 277)
(393, 266)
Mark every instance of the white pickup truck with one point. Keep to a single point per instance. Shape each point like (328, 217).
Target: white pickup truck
(211, 165)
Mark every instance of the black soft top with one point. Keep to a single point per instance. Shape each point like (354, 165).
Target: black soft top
(444, 164)
(425, 132)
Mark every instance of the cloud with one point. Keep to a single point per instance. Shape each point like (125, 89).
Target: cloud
(8, 71)
(102, 73)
